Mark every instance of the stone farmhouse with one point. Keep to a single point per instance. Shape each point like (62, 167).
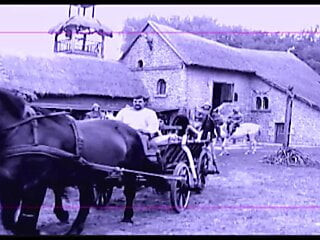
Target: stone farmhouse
(184, 70)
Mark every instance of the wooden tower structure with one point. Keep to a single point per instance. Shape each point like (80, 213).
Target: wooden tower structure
(81, 33)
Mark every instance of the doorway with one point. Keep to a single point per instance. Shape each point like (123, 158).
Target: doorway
(279, 138)
(222, 92)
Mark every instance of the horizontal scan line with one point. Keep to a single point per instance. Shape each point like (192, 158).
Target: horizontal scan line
(180, 32)
(209, 207)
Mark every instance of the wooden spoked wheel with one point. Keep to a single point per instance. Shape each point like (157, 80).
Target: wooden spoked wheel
(202, 169)
(180, 190)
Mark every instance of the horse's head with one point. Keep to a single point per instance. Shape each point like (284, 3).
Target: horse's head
(11, 108)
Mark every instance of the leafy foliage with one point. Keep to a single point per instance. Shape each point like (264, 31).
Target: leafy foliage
(305, 45)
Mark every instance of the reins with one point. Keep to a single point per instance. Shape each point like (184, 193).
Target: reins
(24, 121)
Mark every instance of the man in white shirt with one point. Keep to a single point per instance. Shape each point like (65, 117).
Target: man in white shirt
(143, 119)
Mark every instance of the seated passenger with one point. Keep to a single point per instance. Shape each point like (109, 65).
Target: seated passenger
(142, 119)
(95, 113)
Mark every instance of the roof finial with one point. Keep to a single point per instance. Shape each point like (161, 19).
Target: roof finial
(290, 49)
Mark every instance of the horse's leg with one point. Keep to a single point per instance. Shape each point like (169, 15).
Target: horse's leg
(212, 147)
(10, 201)
(223, 147)
(130, 193)
(60, 213)
(249, 143)
(32, 200)
(254, 144)
(86, 201)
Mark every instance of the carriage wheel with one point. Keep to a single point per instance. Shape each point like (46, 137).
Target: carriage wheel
(102, 198)
(202, 169)
(180, 190)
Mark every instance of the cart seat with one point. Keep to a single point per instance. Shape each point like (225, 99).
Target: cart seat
(166, 139)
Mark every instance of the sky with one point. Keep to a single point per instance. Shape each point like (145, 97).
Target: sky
(24, 28)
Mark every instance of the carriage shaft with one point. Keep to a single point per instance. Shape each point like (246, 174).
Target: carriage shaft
(105, 168)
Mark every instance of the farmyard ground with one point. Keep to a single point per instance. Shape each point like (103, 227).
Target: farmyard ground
(248, 197)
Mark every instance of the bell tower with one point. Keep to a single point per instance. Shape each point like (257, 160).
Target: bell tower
(81, 34)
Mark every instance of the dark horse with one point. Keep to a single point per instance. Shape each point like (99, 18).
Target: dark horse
(211, 124)
(24, 177)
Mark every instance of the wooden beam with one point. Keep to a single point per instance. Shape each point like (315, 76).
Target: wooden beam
(84, 42)
(55, 49)
(287, 122)
(165, 67)
(102, 46)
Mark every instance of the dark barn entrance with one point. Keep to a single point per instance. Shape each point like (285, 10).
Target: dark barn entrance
(222, 92)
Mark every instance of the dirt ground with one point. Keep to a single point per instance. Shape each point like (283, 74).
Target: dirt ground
(247, 197)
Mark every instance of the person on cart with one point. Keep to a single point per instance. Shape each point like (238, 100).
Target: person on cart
(142, 119)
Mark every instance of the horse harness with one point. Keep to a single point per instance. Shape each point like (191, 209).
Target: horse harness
(36, 148)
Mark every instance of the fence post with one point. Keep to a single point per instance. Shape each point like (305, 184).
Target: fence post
(287, 121)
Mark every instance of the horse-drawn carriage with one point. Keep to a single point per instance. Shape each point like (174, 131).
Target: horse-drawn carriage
(185, 164)
(52, 150)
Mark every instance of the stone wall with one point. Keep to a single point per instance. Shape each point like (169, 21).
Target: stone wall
(159, 63)
(305, 125)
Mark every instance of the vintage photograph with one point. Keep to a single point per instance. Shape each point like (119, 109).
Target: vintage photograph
(159, 119)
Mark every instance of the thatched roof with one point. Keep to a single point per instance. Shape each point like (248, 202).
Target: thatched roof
(277, 68)
(16, 89)
(70, 75)
(83, 23)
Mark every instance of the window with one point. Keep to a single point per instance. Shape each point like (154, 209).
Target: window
(258, 103)
(140, 63)
(150, 43)
(161, 87)
(262, 103)
(235, 97)
(265, 103)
